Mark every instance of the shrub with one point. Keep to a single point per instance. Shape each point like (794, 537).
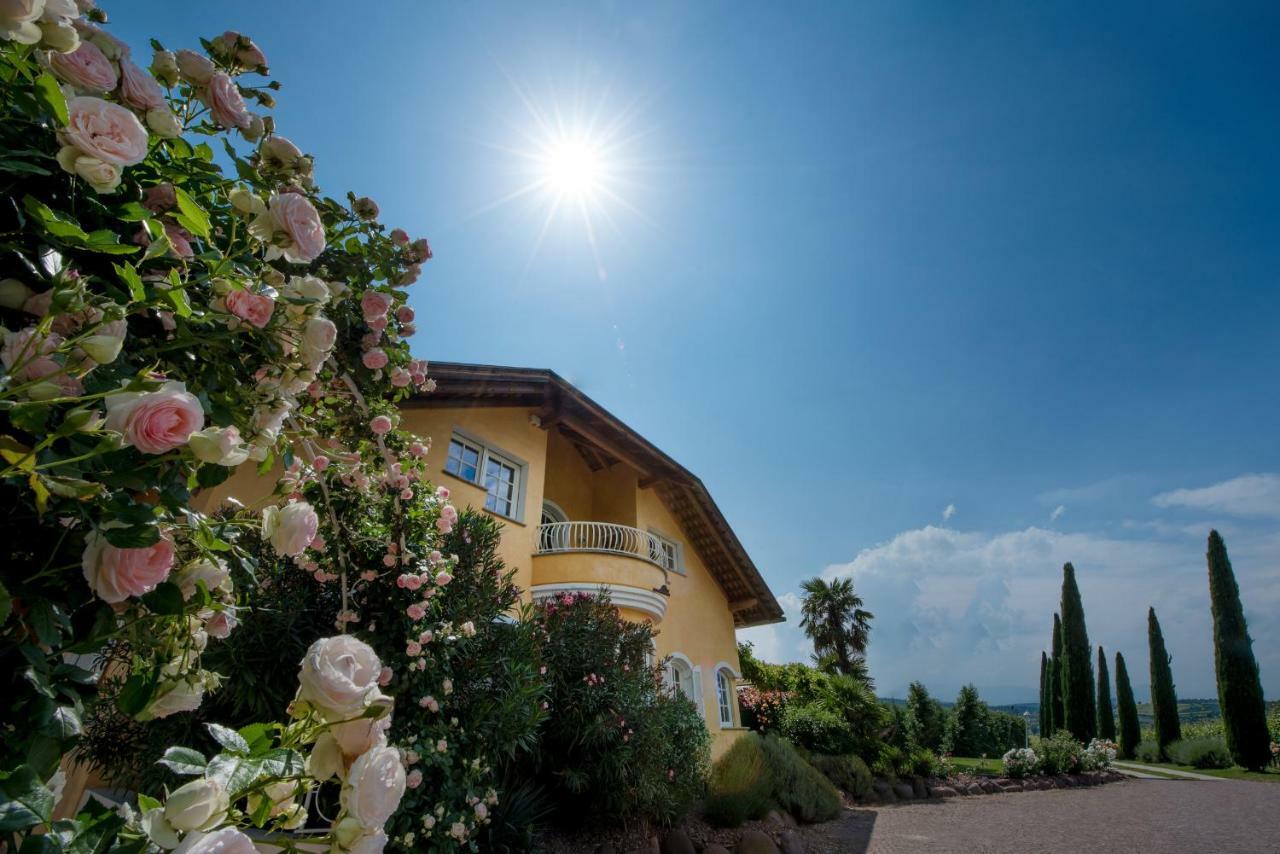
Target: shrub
(762, 711)
(816, 728)
(890, 762)
(849, 773)
(741, 787)
(798, 787)
(1061, 754)
(922, 763)
(1148, 751)
(1099, 754)
(1201, 753)
(615, 746)
(1020, 762)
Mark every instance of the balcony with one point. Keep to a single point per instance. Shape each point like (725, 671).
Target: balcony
(586, 556)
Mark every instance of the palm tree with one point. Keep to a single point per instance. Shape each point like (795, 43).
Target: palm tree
(833, 618)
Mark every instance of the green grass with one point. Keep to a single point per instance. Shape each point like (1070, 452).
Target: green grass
(974, 765)
(1271, 775)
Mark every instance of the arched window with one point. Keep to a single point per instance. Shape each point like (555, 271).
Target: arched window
(681, 676)
(551, 513)
(555, 537)
(724, 696)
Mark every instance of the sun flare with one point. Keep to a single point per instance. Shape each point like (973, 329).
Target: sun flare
(574, 167)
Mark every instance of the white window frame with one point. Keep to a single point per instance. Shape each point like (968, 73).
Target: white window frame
(695, 681)
(677, 551)
(488, 452)
(725, 703)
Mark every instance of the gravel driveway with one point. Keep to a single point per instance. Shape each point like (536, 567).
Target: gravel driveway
(1133, 817)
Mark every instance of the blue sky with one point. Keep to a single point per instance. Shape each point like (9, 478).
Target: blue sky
(875, 260)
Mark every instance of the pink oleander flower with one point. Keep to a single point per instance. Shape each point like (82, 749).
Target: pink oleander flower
(380, 425)
(155, 422)
(107, 132)
(225, 102)
(374, 305)
(139, 89)
(86, 67)
(115, 574)
(290, 528)
(374, 359)
(291, 227)
(250, 307)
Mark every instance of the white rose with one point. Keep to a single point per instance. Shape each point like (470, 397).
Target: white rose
(360, 736)
(59, 36)
(339, 675)
(307, 287)
(103, 346)
(213, 573)
(326, 759)
(194, 68)
(179, 696)
(375, 785)
(228, 840)
(219, 445)
(163, 123)
(158, 830)
(290, 528)
(369, 843)
(246, 202)
(13, 293)
(18, 20)
(102, 176)
(198, 805)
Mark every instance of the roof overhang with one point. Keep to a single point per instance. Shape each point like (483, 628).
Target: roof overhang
(558, 404)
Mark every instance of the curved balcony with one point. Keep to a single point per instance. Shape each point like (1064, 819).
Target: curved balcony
(588, 556)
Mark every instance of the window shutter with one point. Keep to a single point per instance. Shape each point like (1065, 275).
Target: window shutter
(701, 702)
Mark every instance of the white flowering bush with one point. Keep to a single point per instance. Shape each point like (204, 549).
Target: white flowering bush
(1099, 755)
(1020, 762)
(163, 322)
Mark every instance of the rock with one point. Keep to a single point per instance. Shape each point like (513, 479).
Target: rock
(904, 791)
(974, 789)
(989, 787)
(791, 842)
(918, 786)
(676, 842)
(755, 842)
(1010, 786)
(883, 791)
(773, 818)
(943, 792)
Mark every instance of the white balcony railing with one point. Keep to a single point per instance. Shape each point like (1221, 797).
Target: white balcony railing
(606, 537)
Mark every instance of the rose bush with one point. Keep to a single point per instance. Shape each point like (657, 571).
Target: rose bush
(163, 322)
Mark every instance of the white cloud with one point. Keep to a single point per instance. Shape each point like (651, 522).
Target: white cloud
(1057, 512)
(948, 512)
(780, 642)
(1247, 495)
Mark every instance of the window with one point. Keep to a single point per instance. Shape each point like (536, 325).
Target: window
(665, 552)
(724, 697)
(499, 476)
(682, 677)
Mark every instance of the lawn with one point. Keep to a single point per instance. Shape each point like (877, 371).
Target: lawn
(1271, 775)
(977, 765)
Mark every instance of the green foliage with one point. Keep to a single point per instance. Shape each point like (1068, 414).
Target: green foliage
(832, 617)
(923, 762)
(1149, 751)
(741, 787)
(615, 746)
(926, 718)
(1046, 706)
(816, 727)
(1106, 714)
(1078, 702)
(848, 773)
(891, 762)
(1061, 754)
(1130, 732)
(799, 788)
(1164, 701)
(1200, 753)
(1239, 685)
(1058, 716)
(967, 731)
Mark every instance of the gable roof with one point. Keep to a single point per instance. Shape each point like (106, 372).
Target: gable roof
(603, 440)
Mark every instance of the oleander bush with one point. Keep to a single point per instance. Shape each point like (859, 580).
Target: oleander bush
(1202, 752)
(848, 773)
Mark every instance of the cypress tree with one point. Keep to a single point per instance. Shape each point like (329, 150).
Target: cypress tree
(1046, 726)
(1078, 704)
(1055, 679)
(1130, 729)
(1244, 713)
(1106, 717)
(1164, 701)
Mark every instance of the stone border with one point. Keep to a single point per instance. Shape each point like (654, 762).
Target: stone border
(911, 789)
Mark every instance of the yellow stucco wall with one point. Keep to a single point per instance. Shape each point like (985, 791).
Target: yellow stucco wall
(698, 624)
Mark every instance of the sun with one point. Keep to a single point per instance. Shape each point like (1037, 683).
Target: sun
(574, 167)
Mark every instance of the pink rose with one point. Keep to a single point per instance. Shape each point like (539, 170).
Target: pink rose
(179, 239)
(195, 69)
(384, 678)
(156, 421)
(404, 314)
(400, 378)
(374, 305)
(290, 528)
(374, 359)
(225, 103)
(139, 89)
(108, 132)
(86, 68)
(399, 237)
(115, 574)
(380, 425)
(414, 780)
(160, 198)
(294, 215)
(221, 624)
(250, 307)
(242, 49)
